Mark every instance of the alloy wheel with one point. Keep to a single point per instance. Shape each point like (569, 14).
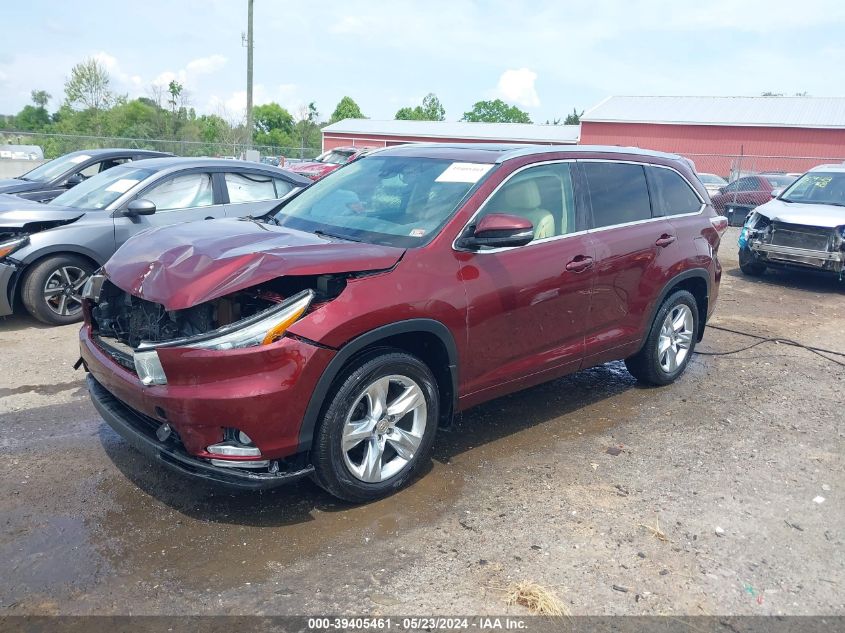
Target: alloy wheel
(63, 290)
(675, 340)
(384, 428)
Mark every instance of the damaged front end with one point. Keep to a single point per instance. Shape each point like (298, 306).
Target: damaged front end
(210, 383)
(776, 243)
(132, 329)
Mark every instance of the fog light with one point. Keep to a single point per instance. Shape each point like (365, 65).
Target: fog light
(233, 450)
(149, 369)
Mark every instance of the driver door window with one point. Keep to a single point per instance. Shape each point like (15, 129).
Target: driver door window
(543, 195)
(182, 192)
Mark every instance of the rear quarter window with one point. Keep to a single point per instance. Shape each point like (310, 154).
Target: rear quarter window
(671, 194)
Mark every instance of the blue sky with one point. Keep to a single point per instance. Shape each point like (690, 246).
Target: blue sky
(545, 56)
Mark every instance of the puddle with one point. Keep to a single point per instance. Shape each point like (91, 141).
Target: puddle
(48, 556)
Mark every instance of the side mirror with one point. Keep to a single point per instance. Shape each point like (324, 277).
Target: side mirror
(500, 230)
(776, 192)
(74, 180)
(139, 207)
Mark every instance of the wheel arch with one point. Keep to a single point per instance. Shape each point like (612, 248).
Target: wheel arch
(697, 282)
(429, 340)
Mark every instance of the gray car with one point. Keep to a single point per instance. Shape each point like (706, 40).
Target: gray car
(54, 177)
(48, 251)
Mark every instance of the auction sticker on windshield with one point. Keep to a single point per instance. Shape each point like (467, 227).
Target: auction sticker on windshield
(463, 172)
(78, 159)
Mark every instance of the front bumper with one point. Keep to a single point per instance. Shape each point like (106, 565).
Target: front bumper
(262, 391)
(8, 277)
(138, 431)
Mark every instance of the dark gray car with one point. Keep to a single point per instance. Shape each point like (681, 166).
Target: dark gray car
(47, 251)
(54, 177)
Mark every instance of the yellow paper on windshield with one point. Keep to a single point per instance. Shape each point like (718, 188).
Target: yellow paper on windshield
(123, 185)
(463, 172)
(78, 159)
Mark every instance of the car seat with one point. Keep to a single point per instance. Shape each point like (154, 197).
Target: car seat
(523, 199)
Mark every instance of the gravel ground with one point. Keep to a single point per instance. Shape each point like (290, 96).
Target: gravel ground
(720, 494)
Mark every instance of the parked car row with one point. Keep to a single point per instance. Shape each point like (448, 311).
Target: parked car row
(48, 251)
(332, 336)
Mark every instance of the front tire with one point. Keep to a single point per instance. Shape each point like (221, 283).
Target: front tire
(749, 264)
(378, 427)
(52, 288)
(670, 342)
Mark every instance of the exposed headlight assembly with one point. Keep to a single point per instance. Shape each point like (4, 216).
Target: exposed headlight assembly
(10, 246)
(262, 328)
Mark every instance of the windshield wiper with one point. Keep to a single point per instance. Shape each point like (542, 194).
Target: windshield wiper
(323, 233)
(256, 221)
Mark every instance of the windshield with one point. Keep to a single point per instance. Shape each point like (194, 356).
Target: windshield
(818, 187)
(711, 179)
(54, 168)
(333, 157)
(101, 190)
(390, 200)
(780, 182)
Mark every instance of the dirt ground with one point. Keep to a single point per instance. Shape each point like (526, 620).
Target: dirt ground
(739, 465)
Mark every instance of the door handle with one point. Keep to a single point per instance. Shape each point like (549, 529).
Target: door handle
(208, 218)
(580, 264)
(664, 240)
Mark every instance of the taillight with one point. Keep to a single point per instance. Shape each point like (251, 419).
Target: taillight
(720, 223)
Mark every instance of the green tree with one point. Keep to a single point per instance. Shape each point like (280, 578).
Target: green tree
(574, 118)
(89, 86)
(272, 125)
(41, 98)
(346, 109)
(430, 110)
(495, 111)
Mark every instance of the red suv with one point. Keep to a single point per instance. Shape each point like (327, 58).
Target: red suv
(327, 162)
(334, 336)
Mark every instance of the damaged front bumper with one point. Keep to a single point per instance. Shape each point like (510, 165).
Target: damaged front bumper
(791, 245)
(139, 431)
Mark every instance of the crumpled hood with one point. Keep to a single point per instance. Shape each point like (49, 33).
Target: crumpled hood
(15, 185)
(16, 212)
(823, 215)
(187, 264)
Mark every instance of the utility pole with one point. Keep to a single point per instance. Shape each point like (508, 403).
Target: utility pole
(249, 45)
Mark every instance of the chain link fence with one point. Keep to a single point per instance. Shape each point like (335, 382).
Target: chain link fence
(57, 144)
(734, 166)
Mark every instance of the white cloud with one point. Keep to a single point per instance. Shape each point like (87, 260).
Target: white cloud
(206, 65)
(517, 86)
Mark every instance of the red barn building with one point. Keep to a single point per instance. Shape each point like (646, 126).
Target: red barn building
(789, 134)
(370, 133)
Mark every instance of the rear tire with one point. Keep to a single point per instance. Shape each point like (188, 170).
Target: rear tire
(749, 264)
(378, 427)
(52, 288)
(670, 342)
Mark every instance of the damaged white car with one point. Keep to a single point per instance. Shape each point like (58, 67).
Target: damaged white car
(802, 228)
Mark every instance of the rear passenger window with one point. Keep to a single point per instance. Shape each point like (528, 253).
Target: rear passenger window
(618, 193)
(672, 194)
(245, 187)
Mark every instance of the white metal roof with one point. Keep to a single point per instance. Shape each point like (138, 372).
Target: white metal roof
(802, 112)
(519, 132)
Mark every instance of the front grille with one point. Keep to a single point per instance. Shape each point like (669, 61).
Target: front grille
(799, 236)
(123, 358)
